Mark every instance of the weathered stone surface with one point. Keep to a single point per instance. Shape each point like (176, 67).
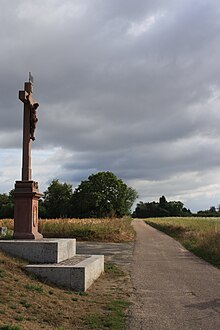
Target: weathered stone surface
(56, 261)
(73, 274)
(43, 251)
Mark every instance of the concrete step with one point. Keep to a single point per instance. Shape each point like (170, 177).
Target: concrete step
(43, 251)
(76, 273)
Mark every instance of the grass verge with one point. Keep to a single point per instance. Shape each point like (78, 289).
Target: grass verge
(198, 235)
(116, 320)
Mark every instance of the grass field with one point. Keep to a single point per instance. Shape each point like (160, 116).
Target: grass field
(199, 235)
(104, 230)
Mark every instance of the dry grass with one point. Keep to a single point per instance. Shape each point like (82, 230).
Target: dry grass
(29, 304)
(9, 223)
(199, 235)
(104, 230)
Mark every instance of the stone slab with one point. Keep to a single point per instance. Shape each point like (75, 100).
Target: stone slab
(45, 251)
(77, 273)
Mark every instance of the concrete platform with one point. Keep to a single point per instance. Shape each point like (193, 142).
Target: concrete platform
(56, 261)
(77, 273)
(43, 251)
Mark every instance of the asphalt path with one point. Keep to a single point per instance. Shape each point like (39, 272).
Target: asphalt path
(118, 253)
(173, 289)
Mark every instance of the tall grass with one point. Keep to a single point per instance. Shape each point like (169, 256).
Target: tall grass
(107, 229)
(199, 235)
(9, 223)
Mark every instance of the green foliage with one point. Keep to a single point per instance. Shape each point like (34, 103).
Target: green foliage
(8, 235)
(102, 195)
(113, 269)
(24, 303)
(82, 293)
(161, 209)
(56, 200)
(115, 319)
(212, 212)
(19, 318)
(2, 273)
(6, 205)
(34, 287)
(9, 327)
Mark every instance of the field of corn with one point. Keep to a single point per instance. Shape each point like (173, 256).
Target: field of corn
(199, 235)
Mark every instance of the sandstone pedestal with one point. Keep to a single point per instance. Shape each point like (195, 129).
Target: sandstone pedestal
(26, 210)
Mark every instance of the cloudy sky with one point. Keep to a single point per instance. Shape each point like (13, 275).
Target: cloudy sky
(128, 86)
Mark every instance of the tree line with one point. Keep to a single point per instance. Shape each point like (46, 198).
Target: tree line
(101, 195)
(163, 208)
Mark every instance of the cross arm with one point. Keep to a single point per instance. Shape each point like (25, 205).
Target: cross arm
(23, 96)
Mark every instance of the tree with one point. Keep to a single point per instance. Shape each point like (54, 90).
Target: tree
(212, 212)
(162, 201)
(212, 209)
(7, 205)
(161, 209)
(56, 202)
(102, 195)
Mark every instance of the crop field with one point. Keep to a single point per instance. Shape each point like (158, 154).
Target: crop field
(199, 235)
(104, 230)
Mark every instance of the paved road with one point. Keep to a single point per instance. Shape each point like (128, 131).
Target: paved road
(173, 289)
(118, 253)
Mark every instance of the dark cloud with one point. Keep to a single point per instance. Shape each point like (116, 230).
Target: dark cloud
(123, 86)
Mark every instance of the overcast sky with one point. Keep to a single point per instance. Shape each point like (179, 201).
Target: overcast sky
(128, 86)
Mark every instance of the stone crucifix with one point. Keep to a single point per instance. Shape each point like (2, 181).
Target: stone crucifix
(29, 126)
(26, 192)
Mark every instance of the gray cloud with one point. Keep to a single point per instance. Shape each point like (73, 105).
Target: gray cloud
(123, 86)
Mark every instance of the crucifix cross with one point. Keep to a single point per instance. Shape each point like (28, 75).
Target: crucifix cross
(29, 125)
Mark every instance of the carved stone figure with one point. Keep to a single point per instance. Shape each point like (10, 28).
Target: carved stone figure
(33, 119)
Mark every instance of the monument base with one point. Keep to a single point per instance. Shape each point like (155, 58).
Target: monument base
(26, 196)
(48, 250)
(77, 273)
(56, 260)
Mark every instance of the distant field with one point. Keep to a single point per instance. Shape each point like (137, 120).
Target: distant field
(199, 235)
(106, 230)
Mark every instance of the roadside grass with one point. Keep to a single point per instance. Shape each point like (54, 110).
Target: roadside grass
(26, 303)
(116, 319)
(198, 235)
(10, 327)
(102, 230)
